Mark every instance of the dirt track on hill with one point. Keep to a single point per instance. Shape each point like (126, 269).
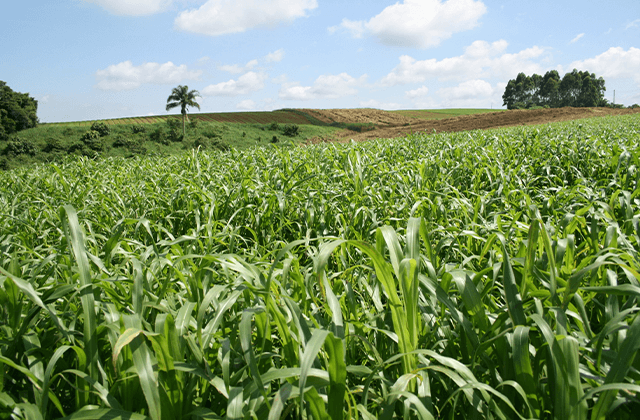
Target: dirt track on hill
(393, 125)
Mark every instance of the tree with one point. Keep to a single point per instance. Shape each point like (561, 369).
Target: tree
(183, 98)
(17, 111)
(578, 88)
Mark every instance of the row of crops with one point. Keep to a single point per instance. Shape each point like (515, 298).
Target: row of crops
(263, 117)
(475, 275)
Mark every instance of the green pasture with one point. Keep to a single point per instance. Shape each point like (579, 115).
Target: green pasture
(474, 275)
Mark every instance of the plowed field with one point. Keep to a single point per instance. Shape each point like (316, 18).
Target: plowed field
(397, 125)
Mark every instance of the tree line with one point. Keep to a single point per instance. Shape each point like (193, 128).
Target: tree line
(17, 111)
(577, 89)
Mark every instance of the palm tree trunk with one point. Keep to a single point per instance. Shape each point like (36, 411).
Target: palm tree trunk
(184, 133)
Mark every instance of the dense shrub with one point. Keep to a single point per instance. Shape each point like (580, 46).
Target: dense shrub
(20, 146)
(159, 135)
(102, 128)
(291, 130)
(207, 143)
(54, 144)
(93, 141)
(136, 129)
(274, 139)
(125, 141)
(175, 129)
(274, 126)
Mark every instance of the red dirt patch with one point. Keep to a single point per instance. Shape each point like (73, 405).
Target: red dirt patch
(396, 125)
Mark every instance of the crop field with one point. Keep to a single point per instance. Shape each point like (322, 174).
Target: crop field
(438, 114)
(473, 275)
(281, 117)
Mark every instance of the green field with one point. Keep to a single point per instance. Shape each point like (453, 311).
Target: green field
(475, 275)
(439, 114)
(263, 117)
(62, 142)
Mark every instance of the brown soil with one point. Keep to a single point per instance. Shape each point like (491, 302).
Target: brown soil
(391, 125)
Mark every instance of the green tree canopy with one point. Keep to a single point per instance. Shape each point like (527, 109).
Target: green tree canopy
(577, 88)
(17, 111)
(183, 98)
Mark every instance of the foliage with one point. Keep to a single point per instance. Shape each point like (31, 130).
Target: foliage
(92, 139)
(290, 130)
(577, 89)
(182, 97)
(487, 274)
(138, 128)
(101, 128)
(18, 111)
(20, 146)
(274, 126)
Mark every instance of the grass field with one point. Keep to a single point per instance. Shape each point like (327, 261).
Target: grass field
(438, 114)
(480, 275)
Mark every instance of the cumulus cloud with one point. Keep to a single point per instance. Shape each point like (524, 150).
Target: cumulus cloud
(418, 23)
(247, 83)
(471, 89)
(275, 56)
(576, 38)
(372, 103)
(219, 17)
(613, 63)
(132, 8)
(417, 93)
(236, 69)
(325, 87)
(246, 105)
(126, 76)
(480, 60)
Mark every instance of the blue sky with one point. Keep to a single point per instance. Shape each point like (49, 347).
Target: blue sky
(95, 59)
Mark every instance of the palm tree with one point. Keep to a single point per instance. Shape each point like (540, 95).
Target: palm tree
(183, 98)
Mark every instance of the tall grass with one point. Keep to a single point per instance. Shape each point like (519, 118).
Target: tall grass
(470, 275)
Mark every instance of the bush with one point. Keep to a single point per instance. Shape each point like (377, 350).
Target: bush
(175, 129)
(193, 124)
(100, 127)
(208, 143)
(291, 130)
(54, 144)
(275, 139)
(92, 140)
(136, 129)
(160, 136)
(274, 126)
(19, 146)
(123, 141)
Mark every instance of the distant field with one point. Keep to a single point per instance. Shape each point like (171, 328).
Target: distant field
(438, 114)
(264, 117)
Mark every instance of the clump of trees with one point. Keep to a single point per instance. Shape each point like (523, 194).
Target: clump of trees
(17, 111)
(578, 89)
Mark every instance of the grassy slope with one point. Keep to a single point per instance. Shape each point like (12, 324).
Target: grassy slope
(57, 142)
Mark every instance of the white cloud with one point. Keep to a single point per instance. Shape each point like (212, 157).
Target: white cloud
(246, 105)
(417, 93)
(132, 8)
(219, 17)
(633, 24)
(418, 23)
(356, 28)
(247, 83)
(236, 69)
(471, 89)
(275, 56)
(480, 60)
(126, 76)
(613, 63)
(325, 87)
(372, 103)
(576, 38)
